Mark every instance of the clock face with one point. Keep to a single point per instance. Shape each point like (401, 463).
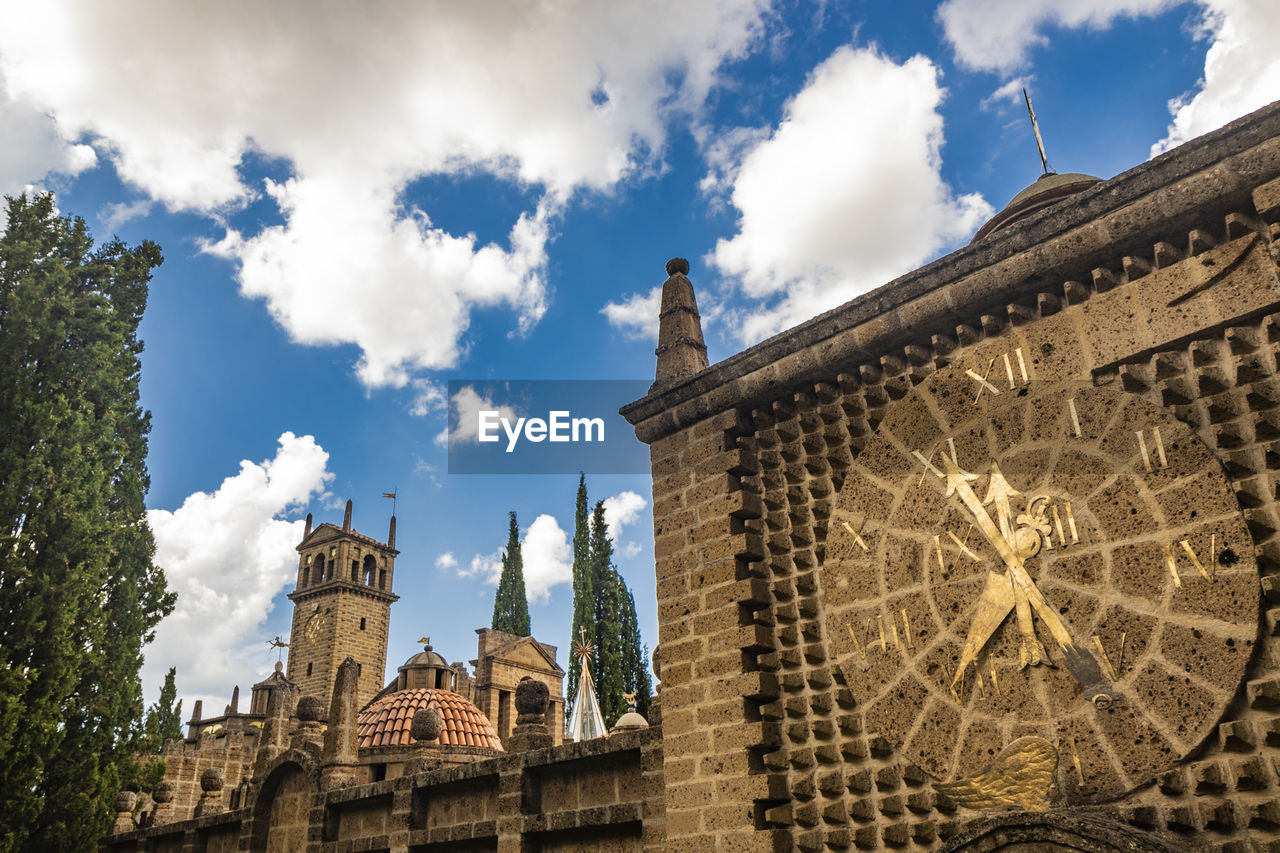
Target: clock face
(1017, 558)
(314, 624)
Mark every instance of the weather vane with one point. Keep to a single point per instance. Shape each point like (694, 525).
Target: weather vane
(392, 496)
(630, 699)
(1036, 127)
(278, 644)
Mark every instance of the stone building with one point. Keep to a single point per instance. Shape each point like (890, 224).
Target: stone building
(984, 559)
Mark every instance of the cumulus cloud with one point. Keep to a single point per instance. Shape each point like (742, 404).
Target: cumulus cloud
(636, 316)
(547, 555)
(467, 404)
(1241, 69)
(827, 210)
(227, 555)
(351, 103)
(446, 561)
(548, 558)
(622, 510)
(33, 146)
(998, 36)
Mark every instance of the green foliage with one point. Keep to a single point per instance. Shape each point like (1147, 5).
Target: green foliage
(163, 722)
(584, 620)
(510, 608)
(78, 592)
(620, 664)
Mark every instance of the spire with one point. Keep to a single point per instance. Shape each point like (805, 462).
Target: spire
(1044, 161)
(346, 519)
(234, 707)
(586, 721)
(307, 531)
(391, 533)
(681, 351)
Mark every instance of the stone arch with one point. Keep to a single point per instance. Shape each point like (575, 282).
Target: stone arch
(1046, 832)
(282, 808)
(370, 569)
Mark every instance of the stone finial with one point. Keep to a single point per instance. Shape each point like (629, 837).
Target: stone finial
(124, 803)
(391, 533)
(426, 726)
(532, 700)
(340, 757)
(162, 795)
(346, 519)
(211, 782)
(681, 351)
(310, 709)
(234, 707)
(307, 531)
(163, 792)
(310, 733)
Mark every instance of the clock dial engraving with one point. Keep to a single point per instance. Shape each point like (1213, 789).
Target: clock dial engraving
(1024, 574)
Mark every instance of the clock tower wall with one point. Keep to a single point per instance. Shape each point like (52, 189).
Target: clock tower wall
(342, 607)
(1162, 284)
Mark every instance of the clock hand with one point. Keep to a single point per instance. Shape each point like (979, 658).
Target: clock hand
(994, 605)
(1079, 661)
(999, 491)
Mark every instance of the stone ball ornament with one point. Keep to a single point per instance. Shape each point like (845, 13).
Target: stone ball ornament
(126, 800)
(212, 780)
(532, 698)
(427, 724)
(310, 709)
(1012, 558)
(163, 792)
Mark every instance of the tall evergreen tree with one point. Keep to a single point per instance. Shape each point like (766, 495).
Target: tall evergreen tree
(584, 619)
(510, 608)
(635, 656)
(164, 718)
(78, 592)
(609, 589)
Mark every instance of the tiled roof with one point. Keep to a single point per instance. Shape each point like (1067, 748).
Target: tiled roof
(386, 722)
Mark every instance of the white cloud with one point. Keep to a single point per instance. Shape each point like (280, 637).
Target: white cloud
(1241, 69)
(829, 210)
(623, 509)
(548, 558)
(547, 555)
(1007, 94)
(486, 567)
(227, 555)
(428, 396)
(446, 561)
(636, 316)
(467, 405)
(997, 35)
(32, 148)
(353, 102)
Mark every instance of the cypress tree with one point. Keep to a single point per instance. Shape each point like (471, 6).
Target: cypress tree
(164, 718)
(510, 608)
(583, 592)
(78, 592)
(609, 589)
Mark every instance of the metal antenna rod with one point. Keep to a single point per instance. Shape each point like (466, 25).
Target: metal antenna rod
(1036, 127)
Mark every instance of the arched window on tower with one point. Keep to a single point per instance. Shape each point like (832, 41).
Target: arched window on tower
(370, 569)
(355, 571)
(317, 574)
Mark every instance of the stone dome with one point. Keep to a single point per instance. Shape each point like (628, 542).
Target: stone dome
(1048, 189)
(426, 657)
(386, 722)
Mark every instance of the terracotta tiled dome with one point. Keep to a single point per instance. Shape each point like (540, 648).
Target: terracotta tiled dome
(386, 722)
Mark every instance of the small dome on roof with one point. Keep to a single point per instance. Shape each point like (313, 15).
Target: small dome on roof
(1050, 188)
(426, 657)
(387, 721)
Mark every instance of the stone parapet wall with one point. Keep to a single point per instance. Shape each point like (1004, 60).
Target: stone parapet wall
(600, 795)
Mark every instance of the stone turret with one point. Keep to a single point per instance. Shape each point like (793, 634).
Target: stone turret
(681, 351)
(275, 729)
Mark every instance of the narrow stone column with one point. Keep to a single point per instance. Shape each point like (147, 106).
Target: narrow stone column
(681, 351)
(125, 801)
(340, 758)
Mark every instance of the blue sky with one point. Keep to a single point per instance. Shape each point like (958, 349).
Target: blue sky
(358, 203)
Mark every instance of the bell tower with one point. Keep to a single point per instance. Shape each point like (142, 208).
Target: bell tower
(341, 607)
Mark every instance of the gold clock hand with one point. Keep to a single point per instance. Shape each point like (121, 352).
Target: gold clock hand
(1079, 660)
(994, 605)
